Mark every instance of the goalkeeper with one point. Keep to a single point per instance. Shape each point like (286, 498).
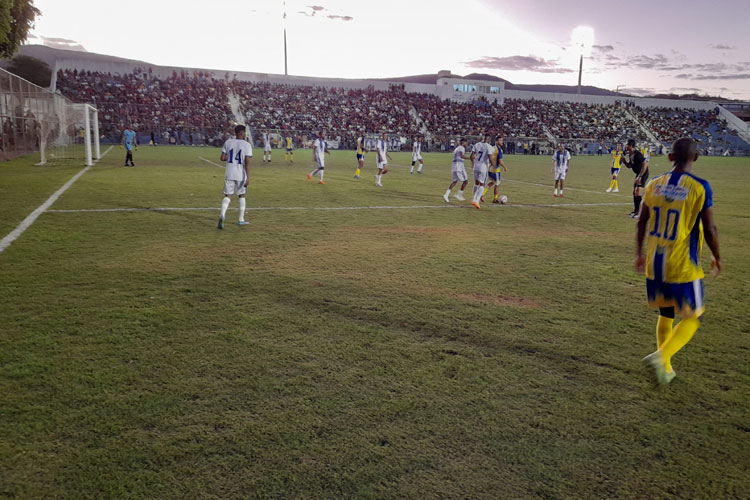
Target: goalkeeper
(129, 142)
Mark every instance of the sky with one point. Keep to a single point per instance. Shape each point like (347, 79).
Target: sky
(639, 47)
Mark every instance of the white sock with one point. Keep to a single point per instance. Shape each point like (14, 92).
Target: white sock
(461, 191)
(412, 169)
(377, 178)
(224, 206)
(242, 209)
(560, 192)
(555, 190)
(447, 192)
(321, 174)
(314, 172)
(420, 167)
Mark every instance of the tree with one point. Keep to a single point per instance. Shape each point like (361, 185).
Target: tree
(16, 19)
(32, 69)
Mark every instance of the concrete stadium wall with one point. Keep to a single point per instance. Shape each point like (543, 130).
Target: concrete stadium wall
(444, 91)
(164, 72)
(644, 102)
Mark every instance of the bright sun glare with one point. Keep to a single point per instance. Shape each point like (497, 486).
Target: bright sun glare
(582, 39)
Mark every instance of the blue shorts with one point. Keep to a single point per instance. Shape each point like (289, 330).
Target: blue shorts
(361, 157)
(495, 176)
(615, 171)
(686, 298)
(289, 150)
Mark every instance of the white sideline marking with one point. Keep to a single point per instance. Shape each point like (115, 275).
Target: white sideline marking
(569, 189)
(211, 162)
(29, 220)
(259, 209)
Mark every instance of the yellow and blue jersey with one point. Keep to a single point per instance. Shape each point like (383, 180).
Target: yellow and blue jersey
(675, 233)
(495, 158)
(616, 158)
(289, 143)
(361, 147)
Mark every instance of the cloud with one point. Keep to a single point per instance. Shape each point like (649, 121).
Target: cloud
(518, 63)
(314, 9)
(727, 76)
(62, 43)
(641, 91)
(721, 46)
(684, 90)
(603, 48)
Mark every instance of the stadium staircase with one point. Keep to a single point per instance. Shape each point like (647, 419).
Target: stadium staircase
(549, 134)
(651, 137)
(420, 123)
(234, 105)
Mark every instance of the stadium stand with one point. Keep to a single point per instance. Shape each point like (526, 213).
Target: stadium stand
(184, 109)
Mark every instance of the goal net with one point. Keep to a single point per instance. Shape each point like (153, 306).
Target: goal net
(36, 121)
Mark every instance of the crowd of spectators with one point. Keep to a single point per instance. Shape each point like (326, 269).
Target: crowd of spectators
(180, 105)
(196, 109)
(669, 124)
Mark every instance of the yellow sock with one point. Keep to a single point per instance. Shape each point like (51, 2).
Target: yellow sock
(485, 191)
(286, 157)
(612, 184)
(663, 334)
(616, 186)
(494, 197)
(683, 332)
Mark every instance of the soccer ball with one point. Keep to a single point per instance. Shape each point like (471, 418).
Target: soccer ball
(503, 199)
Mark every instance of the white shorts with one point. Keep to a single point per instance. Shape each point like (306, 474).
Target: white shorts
(560, 173)
(417, 157)
(234, 187)
(320, 162)
(382, 165)
(459, 174)
(480, 175)
(267, 149)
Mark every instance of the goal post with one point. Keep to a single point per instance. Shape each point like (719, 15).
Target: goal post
(34, 120)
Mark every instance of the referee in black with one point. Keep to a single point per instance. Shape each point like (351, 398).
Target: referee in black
(636, 162)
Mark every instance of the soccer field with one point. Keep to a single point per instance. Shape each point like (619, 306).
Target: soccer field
(354, 341)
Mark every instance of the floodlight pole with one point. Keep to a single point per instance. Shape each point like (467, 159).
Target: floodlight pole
(580, 71)
(285, 67)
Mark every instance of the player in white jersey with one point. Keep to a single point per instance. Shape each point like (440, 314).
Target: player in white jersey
(560, 164)
(383, 157)
(320, 148)
(458, 172)
(237, 153)
(266, 146)
(416, 155)
(480, 155)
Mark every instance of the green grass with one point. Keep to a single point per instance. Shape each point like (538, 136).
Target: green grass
(393, 353)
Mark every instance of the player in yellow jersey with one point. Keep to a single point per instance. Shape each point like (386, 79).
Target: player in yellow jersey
(615, 168)
(675, 212)
(289, 148)
(361, 150)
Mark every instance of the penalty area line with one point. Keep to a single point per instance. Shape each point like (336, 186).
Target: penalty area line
(33, 216)
(209, 161)
(323, 209)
